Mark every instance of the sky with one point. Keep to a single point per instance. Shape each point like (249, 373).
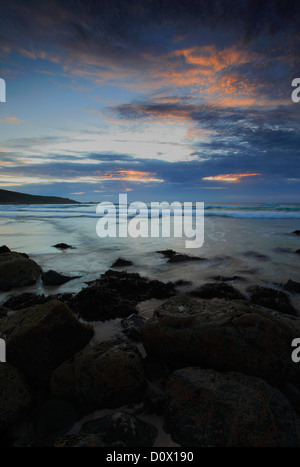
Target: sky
(176, 100)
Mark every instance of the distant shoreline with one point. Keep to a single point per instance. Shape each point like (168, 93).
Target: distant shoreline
(14, 198)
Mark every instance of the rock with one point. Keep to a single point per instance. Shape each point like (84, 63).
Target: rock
(17, 271)
(228, 278)
(27, 299)
(271, 298)
(54, 278)
(132, 327)
(120, 262)
(167, 253)
(63, 246)
(206, 408)
(178, 258)
(41, 337)
(297, 252)
(79, 440)
(4, 249)
(3, 311)
(16, 399)
(154, 403)
(133, 287)
(292, 286)
(108, 374)
(55, 417)
(123, 429)
(116, 294)
(296, 232)
(225, 336)
(217, 290)
(100, 304)
(256, 255)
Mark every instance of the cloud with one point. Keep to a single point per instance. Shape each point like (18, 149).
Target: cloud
(11, 120)
(229, 177)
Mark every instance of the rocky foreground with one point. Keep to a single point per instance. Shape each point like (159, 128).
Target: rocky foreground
(214, 364)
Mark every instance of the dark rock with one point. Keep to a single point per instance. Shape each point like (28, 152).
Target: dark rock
(63, 246)
(271, 298)
(178, 258)
(206, 408)
(167, 253)
(4, 249)
(123, 429)
(108, 374)
(181, 282)
(100, 304)
(116, 294)
(27, 299)
(228, 278)
(292, 286)
(79, 440)
(134, 287)
(132, 327)
(17, 271)
(225, 336)
(256, 255)
(54, 278)
(217, 290)
(3, 311)
(296, 232)
(155, 403)
(41, 337)
(120, 262)
(16, 399)
(297, 252)
(55, 417)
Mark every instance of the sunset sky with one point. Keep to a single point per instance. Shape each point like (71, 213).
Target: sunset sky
(163, 99)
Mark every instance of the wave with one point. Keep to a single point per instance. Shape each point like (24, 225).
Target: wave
(88, 211)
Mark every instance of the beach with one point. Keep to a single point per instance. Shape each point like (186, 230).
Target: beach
(248, 250)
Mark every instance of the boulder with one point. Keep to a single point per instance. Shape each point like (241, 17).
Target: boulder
(132, 327)
(55, 278)
(79, 440)
(296, 232)
(108, 374)
(63, 246)
(100, 304)
(123, 429)
(297, 252)
(179, 258)
(210, 409)
(15, 400)
(27, 299)
(217, 290)
(4, 249)
(120, 262)
(116, 294)
(271, 298)
(41, 337)
(17, 271)
(223, 335)
(292, 286)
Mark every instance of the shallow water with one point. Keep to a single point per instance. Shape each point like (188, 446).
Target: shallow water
(237, 237)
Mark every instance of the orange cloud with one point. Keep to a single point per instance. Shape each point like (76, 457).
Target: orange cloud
(13, 120)
(229, 177)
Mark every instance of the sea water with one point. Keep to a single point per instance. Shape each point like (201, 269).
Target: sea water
(253, 241)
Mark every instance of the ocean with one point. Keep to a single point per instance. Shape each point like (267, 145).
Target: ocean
(253, 241)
